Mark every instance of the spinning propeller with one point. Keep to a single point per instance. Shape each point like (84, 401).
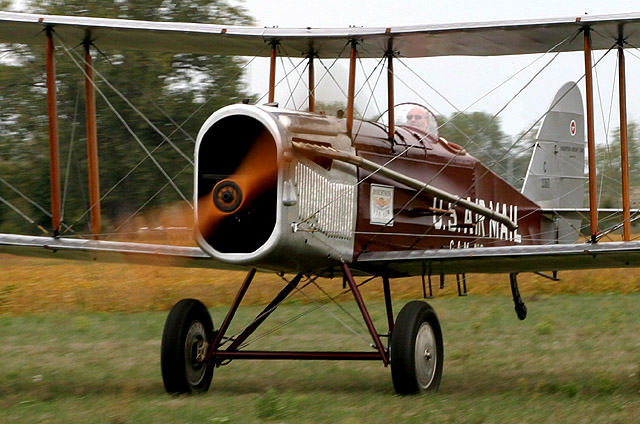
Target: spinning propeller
(233, 195)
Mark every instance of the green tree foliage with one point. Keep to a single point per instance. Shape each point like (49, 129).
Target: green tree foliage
(176, 92)
(336, 109)
(482, 136)
(484, 139)
(478, 132)
(609, 167)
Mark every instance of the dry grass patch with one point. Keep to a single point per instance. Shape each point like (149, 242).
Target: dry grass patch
(34, 285)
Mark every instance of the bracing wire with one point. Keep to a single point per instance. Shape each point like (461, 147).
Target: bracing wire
(367, 81)
(179, 127)
(291, 96)
(284, 78)
(164, 137)
(129, 129)
(433, 177)
(518, 140)
(317, 305)
(149, 200)
(121, 180)
(74, 124)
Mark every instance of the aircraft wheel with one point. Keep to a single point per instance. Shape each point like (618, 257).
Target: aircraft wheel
(188, 332)
(417, 351)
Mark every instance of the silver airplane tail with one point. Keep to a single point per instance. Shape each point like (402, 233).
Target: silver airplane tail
(555, 177)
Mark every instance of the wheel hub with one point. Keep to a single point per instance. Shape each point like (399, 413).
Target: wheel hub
(427, 354)
(195, 352)
(425, 351)
(201, 350)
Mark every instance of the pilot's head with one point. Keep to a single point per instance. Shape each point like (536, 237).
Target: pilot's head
(418, 118)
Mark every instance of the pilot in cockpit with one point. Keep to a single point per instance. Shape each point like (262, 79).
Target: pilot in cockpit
(418, 118)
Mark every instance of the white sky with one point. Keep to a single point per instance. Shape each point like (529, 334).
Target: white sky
(341, 13)
(462, 80)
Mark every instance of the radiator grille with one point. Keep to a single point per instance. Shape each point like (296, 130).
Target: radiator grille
(328, 205)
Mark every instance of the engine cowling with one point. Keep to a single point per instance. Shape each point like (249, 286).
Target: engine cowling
(259, 203)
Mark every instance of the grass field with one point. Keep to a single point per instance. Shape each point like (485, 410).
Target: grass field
(80, 343)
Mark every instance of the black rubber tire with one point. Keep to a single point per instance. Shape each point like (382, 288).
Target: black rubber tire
(411, 368)
(188, 324)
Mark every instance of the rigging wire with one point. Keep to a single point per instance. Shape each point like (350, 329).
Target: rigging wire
(562, 44)
(520, 138)
(295, 87)
(164, 137)
(148, 201)
(284, 78)
(606, 124)
(291, 97)
(69, 228)
(148, 121)
(299, 80)
(470, 139)
(477, 179)
(579, 80)
(22, 214)
(327, 71)
(159, 145)
(129, 129)
(74, 124)
(513, 144)
(25, 197)
(287, 82)
(317, 305)
(16, 210)
(371, 89)
(179, 127)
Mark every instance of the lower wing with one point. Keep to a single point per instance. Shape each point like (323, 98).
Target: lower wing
(505, 259)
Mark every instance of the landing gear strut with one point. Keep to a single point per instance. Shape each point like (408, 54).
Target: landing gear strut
(191, 349)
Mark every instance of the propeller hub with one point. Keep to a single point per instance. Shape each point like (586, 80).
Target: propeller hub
(227, 196)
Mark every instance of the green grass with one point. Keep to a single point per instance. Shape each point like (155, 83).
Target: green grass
(575, 359)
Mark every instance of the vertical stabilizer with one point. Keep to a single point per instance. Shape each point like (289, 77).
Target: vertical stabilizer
(555, 177)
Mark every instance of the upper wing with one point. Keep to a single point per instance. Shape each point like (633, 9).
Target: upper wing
(552, 257)
(472, 39)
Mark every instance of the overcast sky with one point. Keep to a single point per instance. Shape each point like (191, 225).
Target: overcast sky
(341, 13)
(464, 80)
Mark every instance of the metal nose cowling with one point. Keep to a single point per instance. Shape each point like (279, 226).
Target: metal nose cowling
(262, 203)
(236, 183)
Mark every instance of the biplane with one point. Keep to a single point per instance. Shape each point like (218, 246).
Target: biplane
(308, 194)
